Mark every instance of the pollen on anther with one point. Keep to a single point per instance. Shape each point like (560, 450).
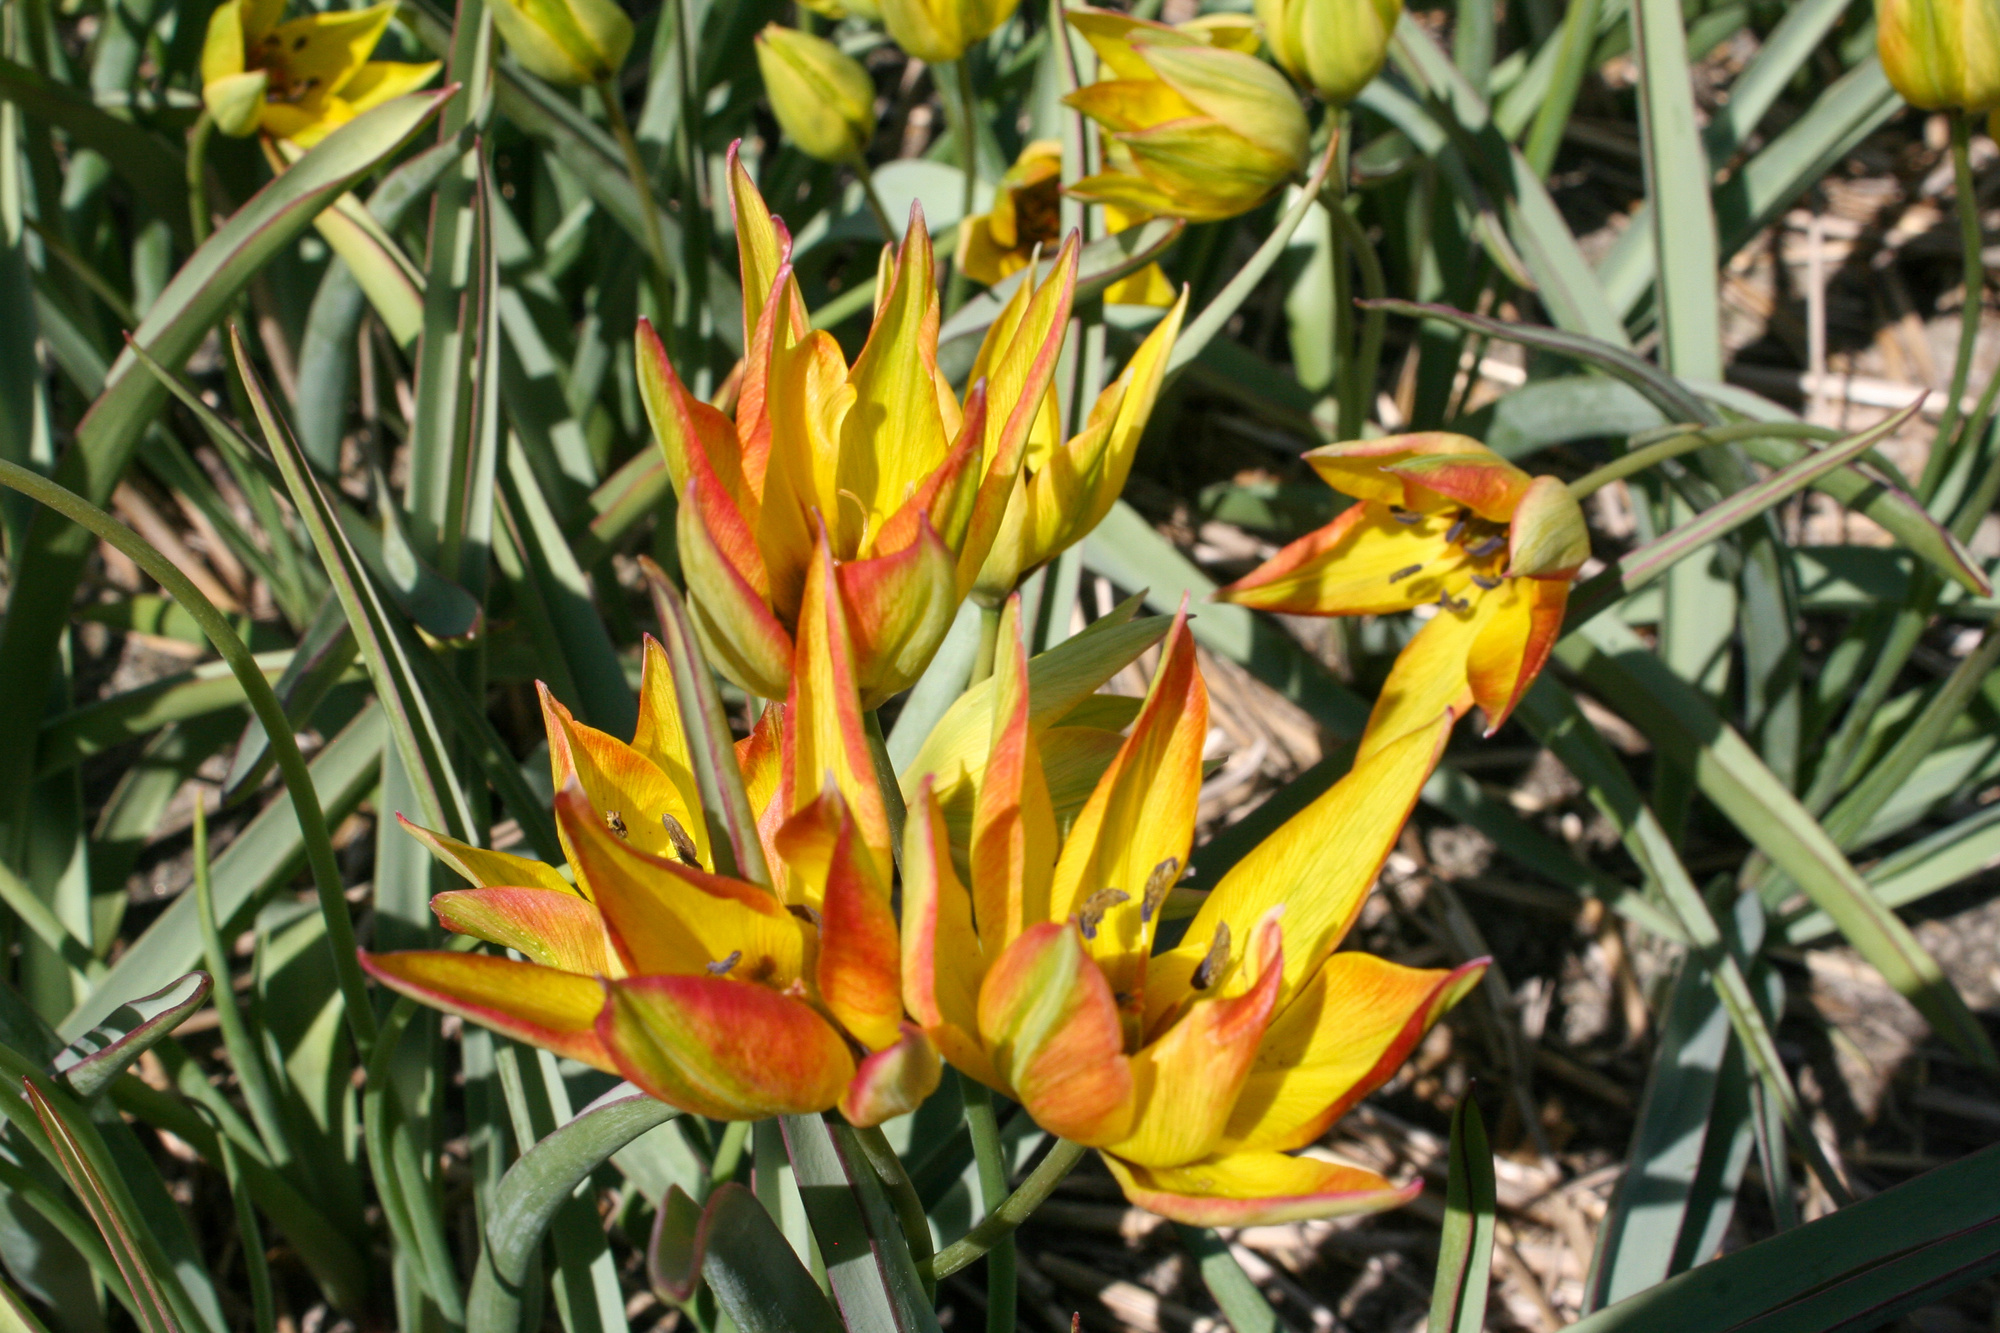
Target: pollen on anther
(615, 822)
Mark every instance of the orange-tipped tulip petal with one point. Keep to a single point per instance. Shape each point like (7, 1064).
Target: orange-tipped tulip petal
(942, 964)
(488, 869)
(1514, 646)
(628, 791)
(825, 734)
(557, 930)
(1051, 1026)
(894, 1080)
(857, 967)
(729, 1049)
(1013, 822)
(557, 1011)
(899, 606)
(1258, 1189)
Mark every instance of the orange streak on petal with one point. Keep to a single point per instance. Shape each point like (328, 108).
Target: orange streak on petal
(894, 1080)
(941, 961)
(1258, 1189)
(554, 1010)
(857, 972)
(557, 930)
(1051, 1025)
(1011, 862)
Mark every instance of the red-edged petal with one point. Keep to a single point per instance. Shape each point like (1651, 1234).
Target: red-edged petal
(732, 1050)
(1258, 1189)
(1484, 482)
(1360, 468)
(1051, 1025)
(894, 1080)
(1012, 857)
(942, 963)
(1515, 645)
(857, 972)
(557, 930)
(555, 1010)
(738, 630)
(698, 441)
(899, 606)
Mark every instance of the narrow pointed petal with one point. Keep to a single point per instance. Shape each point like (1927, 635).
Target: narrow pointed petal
(628, 791)
(1485, 483)
(899, 607)
(761, 755)
(1360, 468)
(1346, 1033)
(857, 971)
(760, 246)
(1051, 1026)
(668, 917)
(489, 869)
(825, 734)
(946, 499)
(1258, 1189)
(554, 1010)
(942, 963)
(1018, 373)
(1431, 673)
(1186, 1083)
(1013, 823)
(557, 930)
(894, 1080)
(809, 399)
(695, 438)
(1319, 864)
(662, 739)
(1365, 562)
(1141, 817)
(1515, 644)
(742, 637)
(733, 1050)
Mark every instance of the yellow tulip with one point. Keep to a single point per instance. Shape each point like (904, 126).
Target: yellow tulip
(940, 30)
(569, 42)
(299, 79)
(723, 997)
(904, 485)
(840, 9)
(823, 99)
(1941, 54)
(1336, 47)
(1194, 126)
(1195, 1071)
(1026, 218)
(1442, 521)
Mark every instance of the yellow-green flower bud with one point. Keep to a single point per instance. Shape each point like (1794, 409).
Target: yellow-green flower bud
(1941, 54)
(1548, 537)
(940, 30)
(823, 99)
(1334, 46)
(840, 9)
(572, 42)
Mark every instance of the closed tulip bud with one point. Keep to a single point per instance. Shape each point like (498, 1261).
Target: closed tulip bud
(1194, 126)
(570, 42)
(1334, 46)
(840, 9)
(822, 97)
(1941, 54)
(939, 30)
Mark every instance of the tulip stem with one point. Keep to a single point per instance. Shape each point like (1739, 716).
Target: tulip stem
(635, 167)
(989, 643)
(728, 1152)
(1348, 386)
(197, 174)
(874, 200)
(968, 156)
(1972, 242)
(1375, 320)
(999, 1223)
(1001, 1286)
(902, 1197)
(1686, 442)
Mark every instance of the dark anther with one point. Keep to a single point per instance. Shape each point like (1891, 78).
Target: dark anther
(1407, 517)
(1404, 573)
(1450, 603)
(1488, 584)
(720, 968)
(804, 913)
(1211, 966)
(615, 822)
(1486, 548)
(1094, 908)
(299, 42)
(1458, 528)
(684, 847)
(1158, 885)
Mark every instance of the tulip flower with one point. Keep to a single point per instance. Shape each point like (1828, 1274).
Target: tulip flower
(1941, 54)
(1067, 487)
(840, 9)
(1194, 125)
(299, 79)
(907, 486)
(823, 99)
(1335, 47)
(1025, 220)
(1195, 1072)
(1442, 522)
(573, 43)
(940, 30)
(719, 995)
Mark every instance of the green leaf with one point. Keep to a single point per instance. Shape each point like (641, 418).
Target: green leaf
(1677, 169)
(150, 165)
(868, 1265)
(1235, 1294)
(88, 1064)
(1465, 1246)
(757, 1279)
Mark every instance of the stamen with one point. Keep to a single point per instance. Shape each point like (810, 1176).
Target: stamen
(1212, 966)
(1486, 583)
(1487, 547)
(1449, 603)
(1404, 573)
(804, 913)
(1408, 518)
(684, 847)
(1158, 885)
(615, 822)
(721, 967)
(1094, 908)
(1458, 527)
(299, 42)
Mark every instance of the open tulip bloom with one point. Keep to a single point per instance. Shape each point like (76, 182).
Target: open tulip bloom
(1442, 522)
(300, 79)
(1028, 957)
(722, 996)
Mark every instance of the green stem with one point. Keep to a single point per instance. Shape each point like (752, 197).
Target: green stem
(1686, 442)
(1001, 1289)
(236, 1037)
(729, 1152)
(968, 157)
(1347, 382)
(870, 197)
(1374, 321)
(999, 1223)
(635, 167)
(903, 1197)
(291, 763)
(989, 644)
(263, 1309)
(1572, 63)
(1971, 242)
(197, 174)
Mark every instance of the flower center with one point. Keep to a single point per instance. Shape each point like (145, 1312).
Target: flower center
(1475, 547)
(273, 56)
